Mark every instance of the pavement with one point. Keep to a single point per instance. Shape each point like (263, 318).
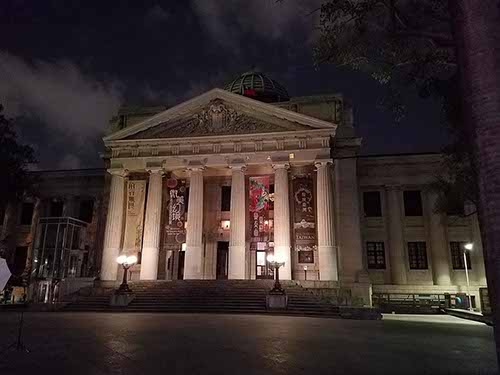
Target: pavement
(126, 343)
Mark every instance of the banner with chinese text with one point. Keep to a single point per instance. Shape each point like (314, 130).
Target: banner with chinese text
(304, 217)
(175, 204)
(136, 196)
(259, 208)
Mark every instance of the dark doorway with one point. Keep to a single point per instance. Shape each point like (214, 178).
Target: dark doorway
(222, 260)
(180, 271)
(264, 270)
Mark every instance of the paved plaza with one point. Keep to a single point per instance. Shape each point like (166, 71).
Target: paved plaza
(102, 343)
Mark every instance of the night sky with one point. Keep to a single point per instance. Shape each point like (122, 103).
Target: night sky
(67, 66)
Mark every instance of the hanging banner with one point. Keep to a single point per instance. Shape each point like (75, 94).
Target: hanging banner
(259, 208)
(136, 195)
(175, 203)
(304, 217)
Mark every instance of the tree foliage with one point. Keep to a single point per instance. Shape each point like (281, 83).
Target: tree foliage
(14, 161)
(401, 44)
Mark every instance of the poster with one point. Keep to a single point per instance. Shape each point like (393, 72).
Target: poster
(136, 196)
(259, 208)
(304, 218)
(175, 203)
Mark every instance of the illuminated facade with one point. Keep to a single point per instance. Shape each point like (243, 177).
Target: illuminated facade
(208, 188)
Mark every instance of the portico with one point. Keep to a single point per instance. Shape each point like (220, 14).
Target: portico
(186, 155)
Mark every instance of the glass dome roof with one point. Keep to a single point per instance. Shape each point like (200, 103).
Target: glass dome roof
(257, 85)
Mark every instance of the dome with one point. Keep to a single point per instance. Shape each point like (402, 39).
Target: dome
(257, 86)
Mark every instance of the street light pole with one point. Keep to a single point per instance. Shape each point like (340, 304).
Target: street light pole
(276, 264)
(468, 246)
(126, 262)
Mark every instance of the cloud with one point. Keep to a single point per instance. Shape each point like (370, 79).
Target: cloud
(73, 107)
(156, 14)
(226, 21)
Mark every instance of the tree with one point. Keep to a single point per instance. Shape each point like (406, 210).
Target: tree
(14, 161)
(445, 48)
(477, 33)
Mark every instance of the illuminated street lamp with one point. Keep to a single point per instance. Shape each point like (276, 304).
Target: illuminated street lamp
(126, 262)
(468, 246)
(276, 262)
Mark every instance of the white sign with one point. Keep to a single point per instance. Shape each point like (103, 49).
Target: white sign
(4, 273)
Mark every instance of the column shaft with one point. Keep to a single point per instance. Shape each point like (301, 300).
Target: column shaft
(113, 231)
(327, 252)
(441, 274)
(396, 239)
(151, 242)
(282, 220)
(193, 263)
(238, 225)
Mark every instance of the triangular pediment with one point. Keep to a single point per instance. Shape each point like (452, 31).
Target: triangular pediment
(219, 112)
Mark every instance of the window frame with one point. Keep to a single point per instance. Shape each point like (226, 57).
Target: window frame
(377, 252)
(418, 246)
(378, 212)
(417, 210)
(223, 203)
(457, 260)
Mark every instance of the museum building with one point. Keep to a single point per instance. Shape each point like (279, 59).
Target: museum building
(209, 188)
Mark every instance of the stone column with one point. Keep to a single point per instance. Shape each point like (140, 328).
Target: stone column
(327, 253)
(282, 219)
(151, 239)
(441, 274)
(193, 262)
(396, 239)
(114, 226)
(238, 224)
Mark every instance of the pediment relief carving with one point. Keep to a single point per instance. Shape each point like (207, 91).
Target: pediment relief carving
(216, 118)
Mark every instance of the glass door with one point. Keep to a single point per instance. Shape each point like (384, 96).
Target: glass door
(264, 270)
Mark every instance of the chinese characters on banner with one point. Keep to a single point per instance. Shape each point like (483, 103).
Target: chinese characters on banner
(259, 209)
(304, 218)
(175, 201)
(136, 195)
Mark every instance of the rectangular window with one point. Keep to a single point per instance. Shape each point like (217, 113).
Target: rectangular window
(372, 204)
(56, 208)
(3, 207)
(27, 213)
(375, 255)
(413, 203)
(457, 256)
(86, 210)
(225, 204)
(271, 202)
(417, 255)
(306, 256)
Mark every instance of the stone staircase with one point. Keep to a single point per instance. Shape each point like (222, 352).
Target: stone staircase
(218, 296)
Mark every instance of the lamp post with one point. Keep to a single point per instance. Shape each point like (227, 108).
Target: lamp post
(305, 272)
(276, 263)
(468, 246)
(126, 262)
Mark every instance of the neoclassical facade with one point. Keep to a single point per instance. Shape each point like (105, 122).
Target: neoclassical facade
(209, 188)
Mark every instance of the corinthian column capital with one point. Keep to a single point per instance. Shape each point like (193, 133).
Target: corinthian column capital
(121, 172)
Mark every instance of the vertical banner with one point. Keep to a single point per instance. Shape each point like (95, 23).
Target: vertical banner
(304, 226)
(175, 201)
(136, 195)
(259, 209)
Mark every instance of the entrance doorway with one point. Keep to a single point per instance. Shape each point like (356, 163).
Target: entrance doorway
(264, 270)
(180, 270)
(222, 260)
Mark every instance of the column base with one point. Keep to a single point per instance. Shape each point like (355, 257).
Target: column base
(149, 263)
(109, 267)
(193, 263)
(236, 262)
(284, 253)
(328, 270)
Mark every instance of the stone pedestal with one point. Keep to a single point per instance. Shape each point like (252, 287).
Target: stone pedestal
(282, 219)
(327, 252)
(150, 248)
(276, 301)
(114, 224)
(121, 300)
(193, 263)
(238, 225)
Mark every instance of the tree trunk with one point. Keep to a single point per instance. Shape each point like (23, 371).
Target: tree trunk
(477, 35)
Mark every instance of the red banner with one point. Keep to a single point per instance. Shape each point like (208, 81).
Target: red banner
(259, 208)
